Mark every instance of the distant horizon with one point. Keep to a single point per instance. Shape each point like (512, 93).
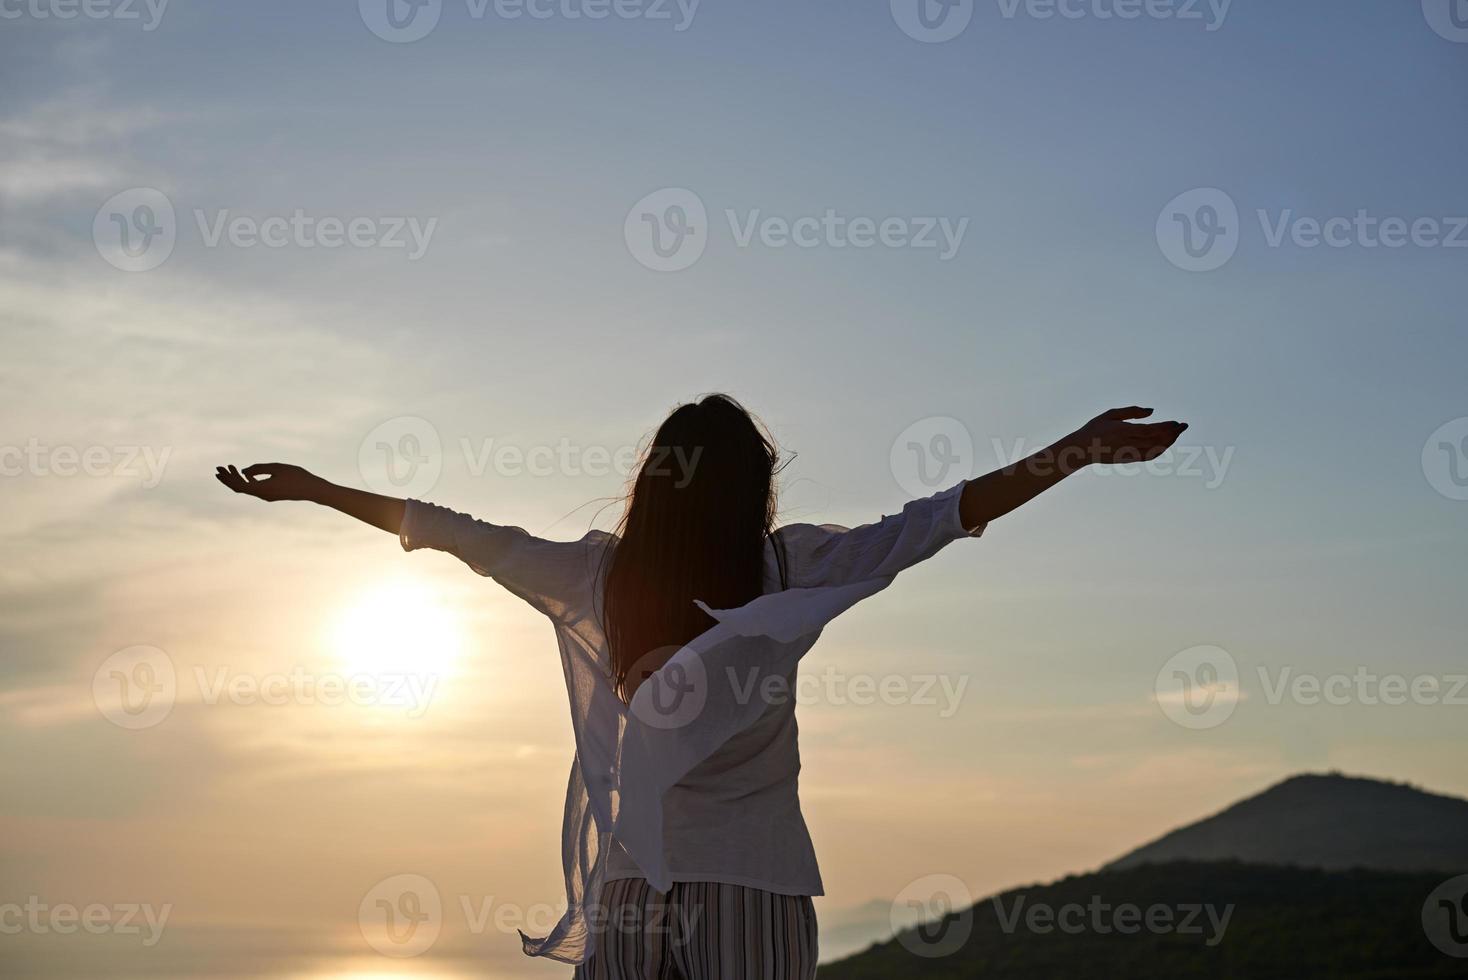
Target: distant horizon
(855, 927)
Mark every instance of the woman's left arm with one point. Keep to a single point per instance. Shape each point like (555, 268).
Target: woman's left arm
(1113, 437)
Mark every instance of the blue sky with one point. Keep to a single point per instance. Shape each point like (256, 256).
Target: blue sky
(1319, 373)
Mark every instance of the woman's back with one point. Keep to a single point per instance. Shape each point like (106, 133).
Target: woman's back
(736, 817)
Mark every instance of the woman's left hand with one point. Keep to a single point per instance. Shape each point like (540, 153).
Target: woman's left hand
(1116, 437)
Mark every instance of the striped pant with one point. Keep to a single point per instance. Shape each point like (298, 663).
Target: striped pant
(701, 930)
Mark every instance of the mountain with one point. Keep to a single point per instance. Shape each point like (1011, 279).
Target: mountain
(1211, 920)
(1325, 821)
(1318, 876)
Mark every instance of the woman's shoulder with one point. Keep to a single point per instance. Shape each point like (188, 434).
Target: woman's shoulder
(795, 548)
(808, 540)
(597, 538)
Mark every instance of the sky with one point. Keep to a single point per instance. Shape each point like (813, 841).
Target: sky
(476, 259)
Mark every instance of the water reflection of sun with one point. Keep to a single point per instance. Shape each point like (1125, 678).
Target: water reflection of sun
(396, 628)
(367, 970)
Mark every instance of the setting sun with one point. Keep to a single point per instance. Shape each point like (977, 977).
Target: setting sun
(395, 628)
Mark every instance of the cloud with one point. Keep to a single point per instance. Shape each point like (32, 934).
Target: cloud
(67, 144)
(44, 707)
(32, 177)
(152, 386)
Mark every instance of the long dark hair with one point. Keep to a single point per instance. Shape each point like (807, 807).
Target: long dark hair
(695, 525)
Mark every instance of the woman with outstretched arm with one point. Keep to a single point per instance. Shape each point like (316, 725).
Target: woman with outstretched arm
(703, 833)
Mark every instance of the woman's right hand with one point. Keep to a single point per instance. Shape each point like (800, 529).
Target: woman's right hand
(281, 481)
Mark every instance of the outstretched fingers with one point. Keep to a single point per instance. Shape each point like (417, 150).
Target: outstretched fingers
(1161, 436)
(1146, 441)
(1126, 414)
(223, 475)
(1158, 430)
(232, 478)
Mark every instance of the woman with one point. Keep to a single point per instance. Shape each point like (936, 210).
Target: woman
(686, 855)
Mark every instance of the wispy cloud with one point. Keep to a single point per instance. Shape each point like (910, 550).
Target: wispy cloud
(69, 143)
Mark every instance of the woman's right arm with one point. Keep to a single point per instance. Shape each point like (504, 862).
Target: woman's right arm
(553, 576)
(282, 481)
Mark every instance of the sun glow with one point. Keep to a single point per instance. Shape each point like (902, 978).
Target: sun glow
(398, 628)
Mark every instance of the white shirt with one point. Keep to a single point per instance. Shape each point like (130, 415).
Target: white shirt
(697, 779)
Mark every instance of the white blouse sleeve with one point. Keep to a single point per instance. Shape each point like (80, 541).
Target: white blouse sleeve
(833, 555)
(553, 576)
